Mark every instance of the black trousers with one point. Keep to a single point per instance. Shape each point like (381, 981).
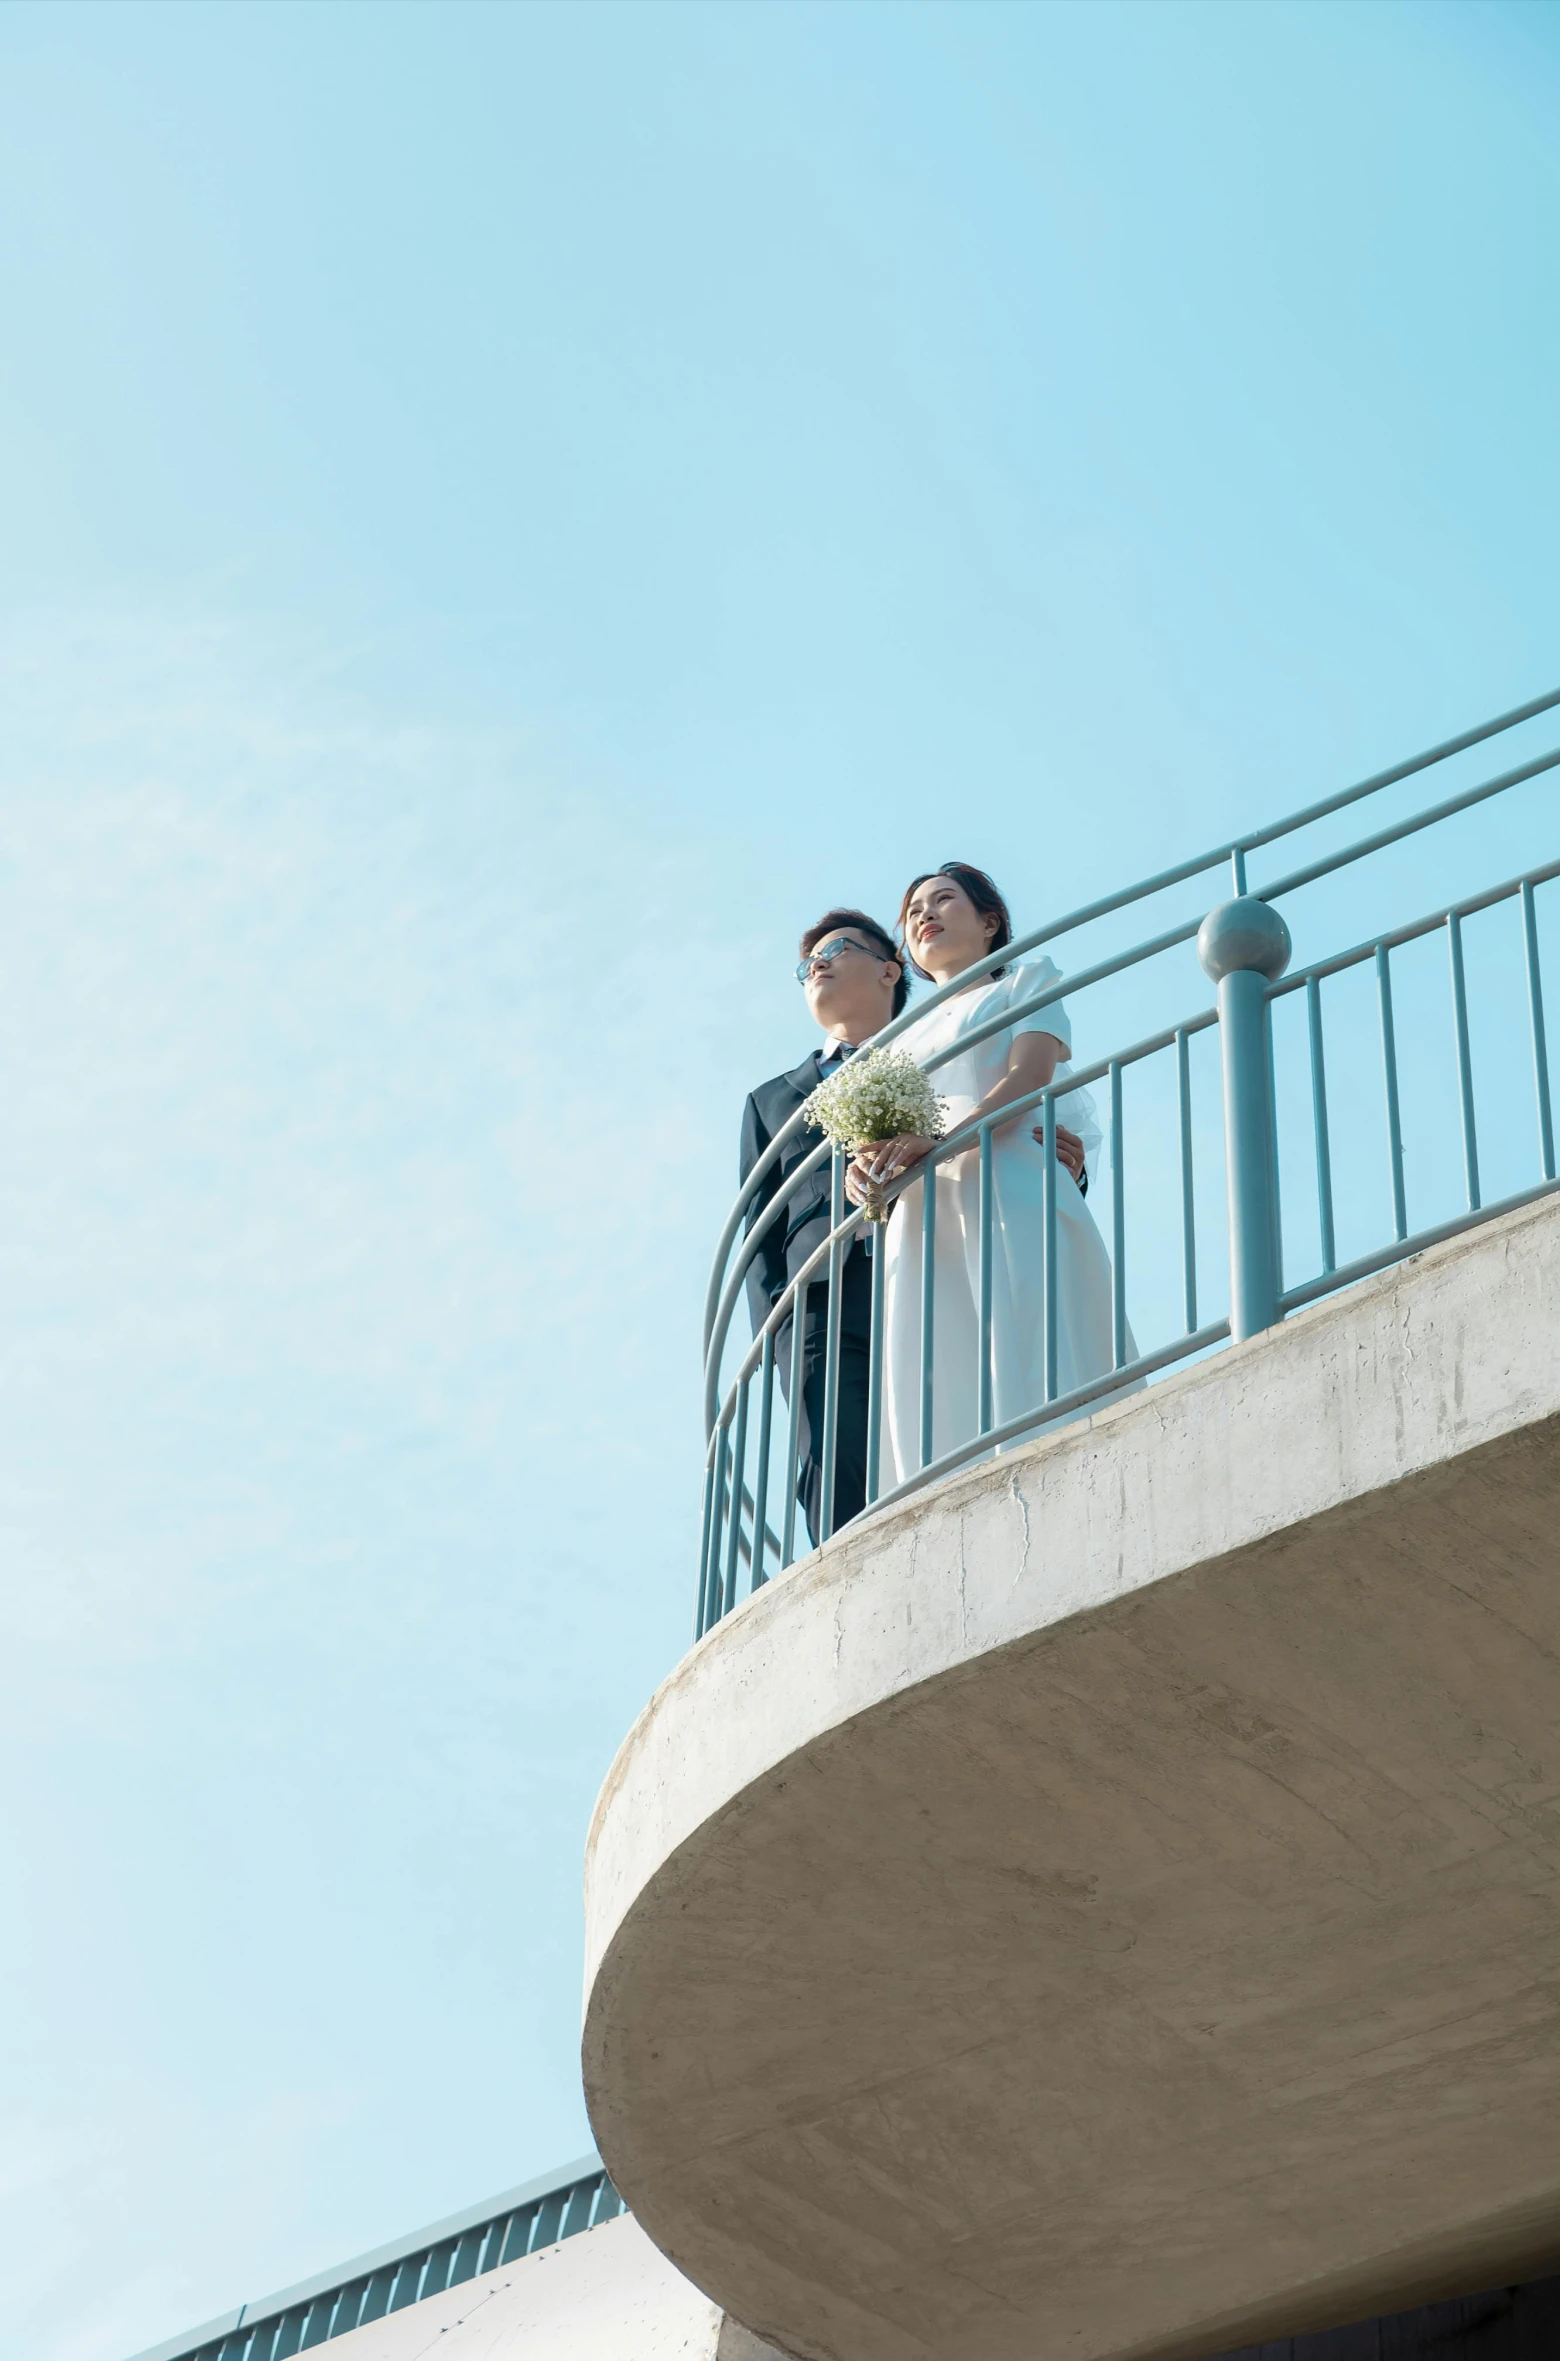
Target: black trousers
(850, 1446)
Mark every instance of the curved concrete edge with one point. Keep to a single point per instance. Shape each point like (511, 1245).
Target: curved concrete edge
(1362, 1390)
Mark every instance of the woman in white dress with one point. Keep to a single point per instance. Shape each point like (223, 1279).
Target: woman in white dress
(948, 920)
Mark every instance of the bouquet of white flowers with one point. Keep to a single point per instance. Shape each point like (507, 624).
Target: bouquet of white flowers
(876, 1097)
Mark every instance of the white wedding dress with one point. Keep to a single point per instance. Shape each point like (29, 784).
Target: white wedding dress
(1083, 1294)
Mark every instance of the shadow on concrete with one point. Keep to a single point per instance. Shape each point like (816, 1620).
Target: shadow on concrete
(1511, 2324)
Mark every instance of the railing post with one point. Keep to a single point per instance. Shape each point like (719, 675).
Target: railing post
(1244, 946)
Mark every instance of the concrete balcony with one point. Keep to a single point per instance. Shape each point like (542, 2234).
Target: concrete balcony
(1111, 1905)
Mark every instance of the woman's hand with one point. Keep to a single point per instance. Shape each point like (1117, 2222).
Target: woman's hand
(883, 1161)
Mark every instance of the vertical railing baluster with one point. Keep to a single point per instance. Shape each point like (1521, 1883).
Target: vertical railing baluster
(1272, 1145)
(702, 1602)
(712, 1611)
(875, 1365)
(1118, 1223)
(1238, 868)
(766, 1411)
(1319, 1127)
(738, 1486)
(1390, 1076)
(983, 1383)
(793, 1438)
(1546, 1127)
(1183, 1079)
(928, 1300)
(1048, 1247)
(1464, 1060)
(831, 1361)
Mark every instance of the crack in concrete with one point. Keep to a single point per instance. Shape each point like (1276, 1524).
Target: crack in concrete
(964, 1604)
(1022, 1506)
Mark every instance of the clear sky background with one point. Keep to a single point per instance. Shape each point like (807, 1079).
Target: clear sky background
(507, 511)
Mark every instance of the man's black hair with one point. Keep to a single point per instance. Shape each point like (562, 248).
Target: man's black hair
(830, 924)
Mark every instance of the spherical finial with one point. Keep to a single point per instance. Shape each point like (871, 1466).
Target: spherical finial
(1245, 933)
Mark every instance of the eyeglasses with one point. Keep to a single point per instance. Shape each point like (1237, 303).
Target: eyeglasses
(825, 956)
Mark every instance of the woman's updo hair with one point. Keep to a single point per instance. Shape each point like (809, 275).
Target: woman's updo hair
(981, 891)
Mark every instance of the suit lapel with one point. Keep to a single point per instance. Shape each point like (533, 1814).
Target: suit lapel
(803, 1079)
(778, 1102)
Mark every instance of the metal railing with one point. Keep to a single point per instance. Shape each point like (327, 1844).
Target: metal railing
(753, 1415)
(484, 2237)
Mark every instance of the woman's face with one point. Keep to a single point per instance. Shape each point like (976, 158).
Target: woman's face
(944, 930)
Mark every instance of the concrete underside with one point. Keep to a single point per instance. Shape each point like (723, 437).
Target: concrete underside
(606, 2295)
(1111, 1908)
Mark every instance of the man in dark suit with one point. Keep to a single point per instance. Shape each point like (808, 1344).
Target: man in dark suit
(855, 982)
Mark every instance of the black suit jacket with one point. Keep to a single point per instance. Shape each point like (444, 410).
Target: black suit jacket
(804, 1223)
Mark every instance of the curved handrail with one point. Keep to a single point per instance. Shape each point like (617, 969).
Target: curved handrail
(725, 1304)
(822, 1472)
(960, 1141)
(735, 1528)
(1233, 850)
(721, 1298)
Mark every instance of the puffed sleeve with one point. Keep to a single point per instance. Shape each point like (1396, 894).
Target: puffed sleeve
(1027, 977)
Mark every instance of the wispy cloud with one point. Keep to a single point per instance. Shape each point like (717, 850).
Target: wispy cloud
(335, 1327)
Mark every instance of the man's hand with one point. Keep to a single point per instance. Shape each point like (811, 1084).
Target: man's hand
(1069, 1147)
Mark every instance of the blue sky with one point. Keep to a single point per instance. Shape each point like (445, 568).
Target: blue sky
(507, 511)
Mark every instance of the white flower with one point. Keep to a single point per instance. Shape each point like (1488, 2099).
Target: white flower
(876, 1097)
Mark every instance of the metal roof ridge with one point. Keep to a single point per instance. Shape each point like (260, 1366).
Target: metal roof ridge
(547, 2184)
